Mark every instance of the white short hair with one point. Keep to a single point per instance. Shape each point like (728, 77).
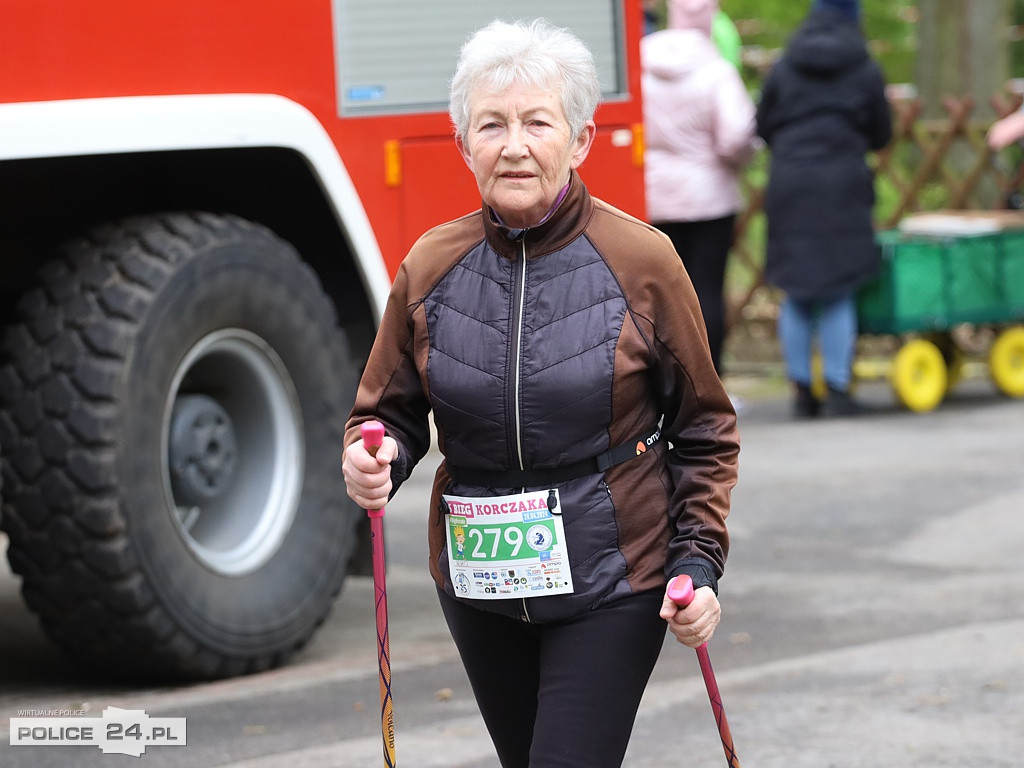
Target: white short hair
(532, 53)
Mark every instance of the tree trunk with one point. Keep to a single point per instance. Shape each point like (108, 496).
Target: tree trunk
(963, 49)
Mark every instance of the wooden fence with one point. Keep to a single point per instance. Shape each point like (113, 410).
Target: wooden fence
(930, 164)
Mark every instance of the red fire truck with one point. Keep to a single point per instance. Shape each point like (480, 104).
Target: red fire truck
(201, 207)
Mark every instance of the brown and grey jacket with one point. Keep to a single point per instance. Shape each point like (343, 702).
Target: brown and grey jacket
(538, 349)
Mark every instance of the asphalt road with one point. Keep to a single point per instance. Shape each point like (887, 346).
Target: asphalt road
(873, 616)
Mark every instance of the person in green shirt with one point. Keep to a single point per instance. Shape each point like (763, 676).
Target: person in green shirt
(726, 38)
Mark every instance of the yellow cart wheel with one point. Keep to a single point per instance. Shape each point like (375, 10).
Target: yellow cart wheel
(919, 375)
(1006, 361)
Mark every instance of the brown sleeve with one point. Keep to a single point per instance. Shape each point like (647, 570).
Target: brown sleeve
(699, 420)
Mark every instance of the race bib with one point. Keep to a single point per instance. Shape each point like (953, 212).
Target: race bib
(507, 546)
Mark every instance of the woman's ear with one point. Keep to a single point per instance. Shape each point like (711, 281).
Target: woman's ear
(464, 151)
(583, 144)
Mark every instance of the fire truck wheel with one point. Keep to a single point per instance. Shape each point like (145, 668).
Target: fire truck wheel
(171, 407)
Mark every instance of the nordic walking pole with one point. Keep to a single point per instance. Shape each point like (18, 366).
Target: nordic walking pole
(373, 435)
(680, 591)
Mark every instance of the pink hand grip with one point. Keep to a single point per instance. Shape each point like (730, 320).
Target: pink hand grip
(680, 590)
(372, 433)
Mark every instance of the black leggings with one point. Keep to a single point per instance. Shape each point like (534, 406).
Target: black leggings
(704, 248)
(563, 694)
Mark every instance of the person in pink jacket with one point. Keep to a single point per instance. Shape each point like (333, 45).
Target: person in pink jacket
(699, 127)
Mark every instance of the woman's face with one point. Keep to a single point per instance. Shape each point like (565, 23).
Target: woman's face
(519, 147)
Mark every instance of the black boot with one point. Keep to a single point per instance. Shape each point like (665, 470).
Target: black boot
(806, 405)
(839, 403)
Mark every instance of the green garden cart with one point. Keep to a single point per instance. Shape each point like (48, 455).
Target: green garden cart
(940, 272)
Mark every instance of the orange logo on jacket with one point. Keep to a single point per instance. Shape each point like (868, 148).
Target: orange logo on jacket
(640, 447)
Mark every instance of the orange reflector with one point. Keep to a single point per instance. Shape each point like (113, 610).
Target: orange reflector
(392, 163)
(638, 145)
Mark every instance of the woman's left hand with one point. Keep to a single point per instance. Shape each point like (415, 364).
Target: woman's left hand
(694, 624)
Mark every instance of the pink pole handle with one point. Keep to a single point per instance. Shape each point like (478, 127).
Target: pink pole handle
(372, 433)
(680, 590)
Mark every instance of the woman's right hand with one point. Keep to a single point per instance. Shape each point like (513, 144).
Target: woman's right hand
(368, 478)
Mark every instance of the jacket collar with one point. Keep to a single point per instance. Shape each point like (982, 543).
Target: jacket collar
(561, 227)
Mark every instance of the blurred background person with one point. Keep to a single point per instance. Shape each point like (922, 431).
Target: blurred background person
(724, 33)
(823, 108)
(1006, 130)
(651, 21)
(699, 128)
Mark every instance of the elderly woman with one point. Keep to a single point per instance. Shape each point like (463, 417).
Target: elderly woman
(589, 448)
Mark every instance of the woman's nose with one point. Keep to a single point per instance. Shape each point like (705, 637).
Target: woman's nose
(516, 145)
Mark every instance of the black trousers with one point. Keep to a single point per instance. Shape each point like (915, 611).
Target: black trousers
(704, 248)
(565, 694)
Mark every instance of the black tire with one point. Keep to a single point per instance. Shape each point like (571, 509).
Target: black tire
(171, 407)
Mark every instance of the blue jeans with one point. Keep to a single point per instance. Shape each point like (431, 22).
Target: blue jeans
(835, 323)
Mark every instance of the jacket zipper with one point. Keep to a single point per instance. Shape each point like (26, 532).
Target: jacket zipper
(518, 352)
(517, 366)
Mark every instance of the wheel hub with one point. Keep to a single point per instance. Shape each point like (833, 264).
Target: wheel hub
(203, 449)
(234, 456)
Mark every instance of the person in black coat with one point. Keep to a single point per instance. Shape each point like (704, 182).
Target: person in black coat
(823, 108)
